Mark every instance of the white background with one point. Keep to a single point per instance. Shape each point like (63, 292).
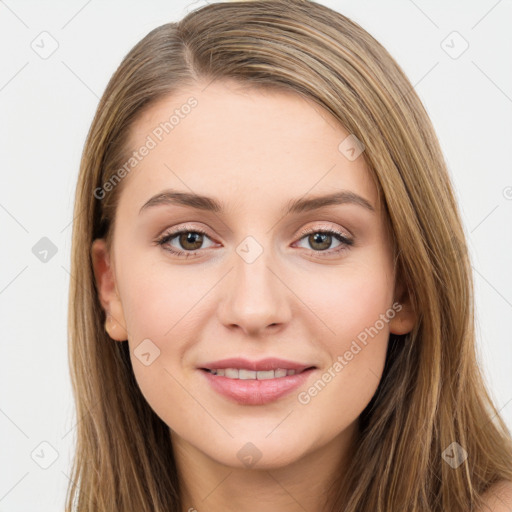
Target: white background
(47, 105)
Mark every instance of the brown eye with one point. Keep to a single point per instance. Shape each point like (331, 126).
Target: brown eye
(191, 240)
(320, 241)
(184, 243)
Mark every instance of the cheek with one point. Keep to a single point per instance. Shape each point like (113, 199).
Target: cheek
(163, 307)
(160, 300)
(161, 310)
(349, 301)
(356, 308)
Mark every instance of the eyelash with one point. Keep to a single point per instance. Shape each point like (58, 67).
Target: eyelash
(346, 242)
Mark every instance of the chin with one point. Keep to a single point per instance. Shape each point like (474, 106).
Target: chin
(256, 455)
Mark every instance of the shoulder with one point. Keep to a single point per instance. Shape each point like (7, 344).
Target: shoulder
(498, 498)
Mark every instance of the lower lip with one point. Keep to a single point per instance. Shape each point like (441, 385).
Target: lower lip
(256, 392)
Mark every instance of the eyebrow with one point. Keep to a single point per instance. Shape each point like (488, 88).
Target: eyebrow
(300, 205)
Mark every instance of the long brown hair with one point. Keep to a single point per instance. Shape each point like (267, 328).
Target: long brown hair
(431, 394)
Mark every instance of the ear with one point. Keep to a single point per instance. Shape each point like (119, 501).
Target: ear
(405, 318)
(107, 291)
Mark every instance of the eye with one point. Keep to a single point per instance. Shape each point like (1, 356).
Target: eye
(189, 239)
(320, 240)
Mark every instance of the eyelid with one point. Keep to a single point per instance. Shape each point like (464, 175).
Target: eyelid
(326, 227)
(185, 227)
(303, 231)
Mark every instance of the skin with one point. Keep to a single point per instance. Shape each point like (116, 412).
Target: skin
(253, 151)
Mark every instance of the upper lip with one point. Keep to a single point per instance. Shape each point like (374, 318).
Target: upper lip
(271, 363)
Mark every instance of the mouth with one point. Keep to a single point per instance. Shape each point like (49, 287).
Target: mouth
(255, 383)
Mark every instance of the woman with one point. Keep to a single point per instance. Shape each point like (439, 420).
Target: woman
(272, 306)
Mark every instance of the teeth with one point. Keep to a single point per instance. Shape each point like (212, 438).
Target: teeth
(246, 374)
(270, 374)
(231, 373)
(242, 374)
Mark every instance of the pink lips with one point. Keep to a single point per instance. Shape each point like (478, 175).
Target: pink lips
(253, 391)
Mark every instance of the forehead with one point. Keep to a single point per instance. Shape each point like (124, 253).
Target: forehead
(242, 144)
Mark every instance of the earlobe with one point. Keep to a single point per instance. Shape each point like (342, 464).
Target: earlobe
(108, 296)
(403, 321)
(405, 318)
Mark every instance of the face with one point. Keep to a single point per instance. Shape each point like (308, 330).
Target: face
(190, 285)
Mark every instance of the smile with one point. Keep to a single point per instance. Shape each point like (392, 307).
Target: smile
(249, 387)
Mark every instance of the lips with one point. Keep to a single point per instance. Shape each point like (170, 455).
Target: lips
(255, 382)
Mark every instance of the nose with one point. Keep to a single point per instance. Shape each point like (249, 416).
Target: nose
(254, 297)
